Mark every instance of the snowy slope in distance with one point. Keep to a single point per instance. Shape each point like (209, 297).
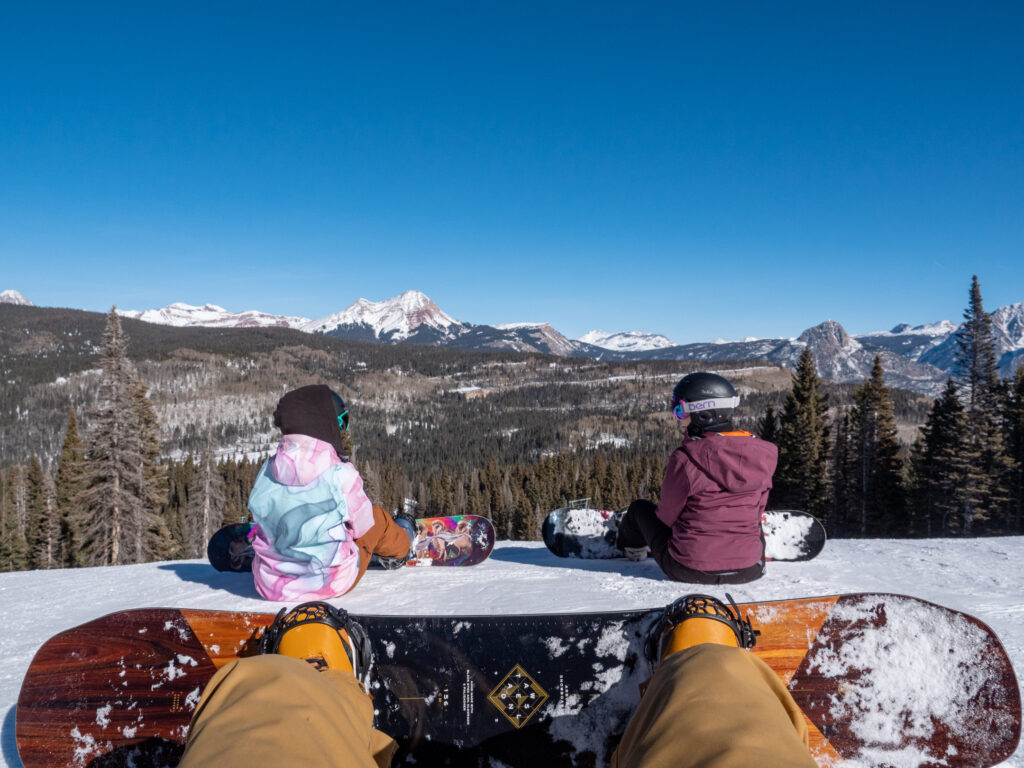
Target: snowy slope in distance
(977, 576)
(211, 316)
(626, 341)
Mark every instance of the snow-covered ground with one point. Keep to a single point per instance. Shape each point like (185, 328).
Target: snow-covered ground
(983, 577)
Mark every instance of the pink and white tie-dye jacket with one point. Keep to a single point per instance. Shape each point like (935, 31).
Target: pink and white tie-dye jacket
(309, 507)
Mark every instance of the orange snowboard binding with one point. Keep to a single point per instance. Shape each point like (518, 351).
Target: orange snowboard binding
(321, 634)
(696, 619)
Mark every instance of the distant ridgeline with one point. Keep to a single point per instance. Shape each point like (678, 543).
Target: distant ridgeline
(505, 434)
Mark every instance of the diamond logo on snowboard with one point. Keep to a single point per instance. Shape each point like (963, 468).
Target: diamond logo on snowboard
(518, 696)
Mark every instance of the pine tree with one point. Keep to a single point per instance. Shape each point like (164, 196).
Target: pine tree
(875, 461)
(13, 546)
(768, 425)
(71, 481)
(1015, 450)
(844, 479)
(801, 480)
(205, 513)
(43, 527)
(985, 493)
(119, 524)
(151, 534)
(938, 466)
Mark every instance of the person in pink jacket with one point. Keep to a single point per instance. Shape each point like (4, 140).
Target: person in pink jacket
(315, 528)
(706, 528)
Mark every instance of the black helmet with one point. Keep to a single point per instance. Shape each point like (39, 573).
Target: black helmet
(707, 398)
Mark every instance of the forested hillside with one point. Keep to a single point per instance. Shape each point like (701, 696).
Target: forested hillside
(502, 434)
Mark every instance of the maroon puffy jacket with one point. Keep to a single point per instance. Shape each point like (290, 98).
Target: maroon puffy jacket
(713, 496)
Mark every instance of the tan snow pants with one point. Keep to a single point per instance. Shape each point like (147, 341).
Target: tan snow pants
(279, 711)
(709, 706)
(712, 706)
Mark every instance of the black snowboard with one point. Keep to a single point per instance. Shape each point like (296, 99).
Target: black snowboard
(878, 678)
(590, 534)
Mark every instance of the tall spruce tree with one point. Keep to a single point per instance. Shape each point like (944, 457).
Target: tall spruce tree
(119, 524)
(876, 482)
(43, 528)
(13, 546)
(71, 481)
(938, 467)
(768, 425)
(984, 495)
(205, 512)
(801, 480)
(1015, 450)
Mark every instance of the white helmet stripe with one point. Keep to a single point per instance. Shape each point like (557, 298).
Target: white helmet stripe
(714, 403)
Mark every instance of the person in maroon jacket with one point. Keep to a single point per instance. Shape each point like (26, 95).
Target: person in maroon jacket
(707, 527)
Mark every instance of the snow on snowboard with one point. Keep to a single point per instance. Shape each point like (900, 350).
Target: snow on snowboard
(882, 680)
(590, 534)
(453, 540)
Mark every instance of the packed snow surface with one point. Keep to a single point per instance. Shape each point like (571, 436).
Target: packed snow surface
(981, 577)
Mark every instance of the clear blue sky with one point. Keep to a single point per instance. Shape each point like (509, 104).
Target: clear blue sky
(701, 170)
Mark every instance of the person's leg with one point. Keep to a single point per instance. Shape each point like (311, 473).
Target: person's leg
(279, 710)
(386, 538)
(713, 706)
(640, 527)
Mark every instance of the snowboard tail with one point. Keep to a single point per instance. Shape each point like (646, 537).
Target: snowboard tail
(556, 689)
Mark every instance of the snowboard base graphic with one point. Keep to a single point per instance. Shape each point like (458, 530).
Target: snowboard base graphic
(880, 679)
(790, 535)
(454, 540)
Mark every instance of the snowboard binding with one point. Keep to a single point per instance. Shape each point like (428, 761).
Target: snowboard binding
(407, 523)
(695, 619)
(321, 634)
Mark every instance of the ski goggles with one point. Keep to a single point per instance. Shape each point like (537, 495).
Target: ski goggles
(343, 420)
(681, 409)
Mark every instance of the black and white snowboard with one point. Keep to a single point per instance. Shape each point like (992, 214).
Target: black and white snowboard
(590, 534)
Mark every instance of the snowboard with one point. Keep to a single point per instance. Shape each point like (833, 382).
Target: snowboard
(591, 533)
(881, 680)
(455, 540)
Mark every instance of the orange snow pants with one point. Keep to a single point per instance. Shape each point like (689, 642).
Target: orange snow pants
(709, 706)
(385, 538)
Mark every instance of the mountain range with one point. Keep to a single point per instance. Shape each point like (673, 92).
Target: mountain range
(917, 358)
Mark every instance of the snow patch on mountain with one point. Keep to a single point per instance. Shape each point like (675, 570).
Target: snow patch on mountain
(184, 315)
(13, 297)
(626, 341)
(942, 328)
(394, 319)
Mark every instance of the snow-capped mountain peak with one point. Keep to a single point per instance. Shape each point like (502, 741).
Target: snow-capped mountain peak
(626, 341)
(13, 297)
(210, 315)
(396, 318)
(941, 328)
(1008, 323)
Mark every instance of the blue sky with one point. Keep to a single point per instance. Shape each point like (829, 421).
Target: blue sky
(702, 170)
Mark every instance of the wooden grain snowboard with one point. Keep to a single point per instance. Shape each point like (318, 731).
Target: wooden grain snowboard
(881, 679)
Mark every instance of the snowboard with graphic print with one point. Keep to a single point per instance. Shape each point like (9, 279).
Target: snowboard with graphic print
(881, 679)
(440, 541)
